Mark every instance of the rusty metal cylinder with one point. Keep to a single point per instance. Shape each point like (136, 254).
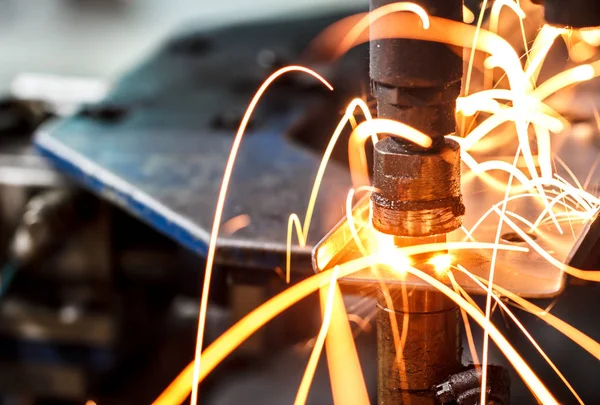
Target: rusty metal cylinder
(417, 82)
(417, 194)
(432, 350)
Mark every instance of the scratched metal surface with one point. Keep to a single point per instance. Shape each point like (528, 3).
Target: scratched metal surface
(162, 154)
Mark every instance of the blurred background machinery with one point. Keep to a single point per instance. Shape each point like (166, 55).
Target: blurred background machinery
(108, 189)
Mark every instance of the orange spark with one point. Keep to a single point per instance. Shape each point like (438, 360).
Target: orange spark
(326, 296)
(293, 220)
(589, 275)
(212, 246)
(356, 148)
(529, 377)
(525, 332)
(488, 301)
(577, 336)
(181, 386)
(236, 223)
(345, 373)
(463, 313)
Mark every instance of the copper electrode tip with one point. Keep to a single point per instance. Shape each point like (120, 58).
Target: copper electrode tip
(417, 194)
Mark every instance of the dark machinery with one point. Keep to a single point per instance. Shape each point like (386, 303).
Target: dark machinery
(155, 147)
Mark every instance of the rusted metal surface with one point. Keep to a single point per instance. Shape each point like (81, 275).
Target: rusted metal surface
(418, 194)
(431, 353)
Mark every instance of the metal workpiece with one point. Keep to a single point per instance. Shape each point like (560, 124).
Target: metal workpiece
(585, 254)
(431, 352)
(572, 13)
(464, 388)
(418, 194)
(417, 82)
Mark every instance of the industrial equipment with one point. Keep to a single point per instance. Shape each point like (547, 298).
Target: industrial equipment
(114, 211)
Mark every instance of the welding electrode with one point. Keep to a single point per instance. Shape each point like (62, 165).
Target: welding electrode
(418, 200)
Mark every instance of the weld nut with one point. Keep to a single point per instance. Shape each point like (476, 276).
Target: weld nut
(418, 194)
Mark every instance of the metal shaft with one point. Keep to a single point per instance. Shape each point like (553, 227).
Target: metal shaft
(431, 351)
(418, 200)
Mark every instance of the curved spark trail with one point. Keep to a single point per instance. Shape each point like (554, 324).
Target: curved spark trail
(181, 387)
(219, 212)
(523, 104)
(522, 328)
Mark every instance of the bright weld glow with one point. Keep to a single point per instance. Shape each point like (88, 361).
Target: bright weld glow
(307, 378)
(180, 388)
(176, 392)
(395, 260)
(525, 107)
(525, 332)
(219, 213)
(441, 263)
